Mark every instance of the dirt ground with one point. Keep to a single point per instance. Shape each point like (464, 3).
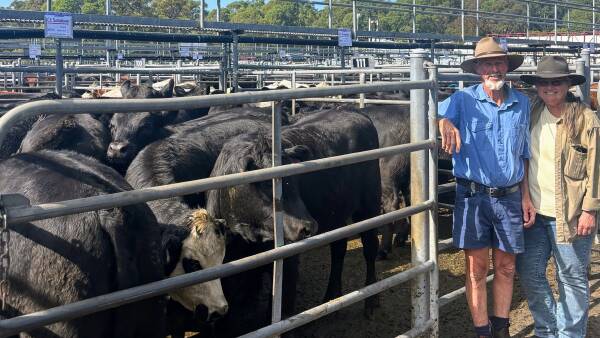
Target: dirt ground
(393, 318)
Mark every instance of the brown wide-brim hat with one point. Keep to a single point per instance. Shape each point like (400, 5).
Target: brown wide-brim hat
(553, 67)
(488, 48)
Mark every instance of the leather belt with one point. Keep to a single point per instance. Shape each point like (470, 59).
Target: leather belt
(475, 187)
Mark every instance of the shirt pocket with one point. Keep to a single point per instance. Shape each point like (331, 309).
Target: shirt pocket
(481, 131)
(575, 166)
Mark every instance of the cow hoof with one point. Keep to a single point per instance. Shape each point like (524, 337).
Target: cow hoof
(382, 255)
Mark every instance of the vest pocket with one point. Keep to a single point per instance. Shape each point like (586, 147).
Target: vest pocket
(575, 167)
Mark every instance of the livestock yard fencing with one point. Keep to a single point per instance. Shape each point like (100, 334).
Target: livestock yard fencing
(423, 209)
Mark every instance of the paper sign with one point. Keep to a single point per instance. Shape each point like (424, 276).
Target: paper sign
(58, 25)
(184, 52)
(281, 53)
(344, 37)
(362, 62)
(35, 50)
(140, 63)
(592, 48)
(197, 56)
(120, 56)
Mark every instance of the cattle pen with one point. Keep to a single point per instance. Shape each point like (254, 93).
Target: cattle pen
(223, 66)
(425, 303)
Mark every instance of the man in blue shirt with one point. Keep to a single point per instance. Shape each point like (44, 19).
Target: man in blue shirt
(486, 129)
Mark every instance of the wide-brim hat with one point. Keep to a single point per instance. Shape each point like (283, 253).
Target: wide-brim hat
(488, 48)
(553, 67)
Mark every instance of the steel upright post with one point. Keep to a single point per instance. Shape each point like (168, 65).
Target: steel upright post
(528, 15)
(555, 23)
(414, 17)
(277, 212)
(354, 19)
(433, 214)
(462, 20)
(218, 10)
(202, 3)
(585, 56)
(419, 190)
(477, 18)
(49, 5)
(583, 89)
(59, 68)
(234, 60)
(361, 96)
(330, 14)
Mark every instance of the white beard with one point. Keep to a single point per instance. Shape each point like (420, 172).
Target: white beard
(494, 85)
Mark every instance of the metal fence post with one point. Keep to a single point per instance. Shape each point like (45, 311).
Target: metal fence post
(178, 76)
(277, 212)
(555, 23)
(583, 90)
(419, 190)
(59, 69)
(202, 4)
(585, 55)
(294, 86)
(361, 102)
(329, 14)
(354, 19)
(234, 60)
(433, 195)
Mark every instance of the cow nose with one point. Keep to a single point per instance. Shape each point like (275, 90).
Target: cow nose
(218, 314)
(117, 148)
(308, 229)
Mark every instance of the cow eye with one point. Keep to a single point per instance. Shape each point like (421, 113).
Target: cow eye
(190, 265)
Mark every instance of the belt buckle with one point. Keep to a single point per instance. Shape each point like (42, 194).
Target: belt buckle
(473, 187)
(497, 192)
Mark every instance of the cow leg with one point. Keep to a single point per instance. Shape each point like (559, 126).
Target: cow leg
(369, 243)
(338, 252)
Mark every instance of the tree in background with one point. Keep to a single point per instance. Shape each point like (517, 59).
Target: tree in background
(174, 9)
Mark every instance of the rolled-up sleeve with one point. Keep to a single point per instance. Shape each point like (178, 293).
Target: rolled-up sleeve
(591, 199)
(450, 108)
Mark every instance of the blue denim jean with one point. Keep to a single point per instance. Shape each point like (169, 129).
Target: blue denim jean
(567, 316)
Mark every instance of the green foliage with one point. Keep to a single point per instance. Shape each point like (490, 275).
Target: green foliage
(386, 15)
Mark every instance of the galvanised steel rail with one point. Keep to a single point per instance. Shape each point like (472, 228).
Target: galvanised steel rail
(24, 213)
(78, 309)
(78, 106)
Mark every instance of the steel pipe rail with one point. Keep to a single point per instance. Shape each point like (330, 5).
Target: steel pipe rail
(452, 296)
(368, 101)
(81, 308)
(78, 106)
(339, 303)
(23, 214)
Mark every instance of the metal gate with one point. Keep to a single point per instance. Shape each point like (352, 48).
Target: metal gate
(423, 209)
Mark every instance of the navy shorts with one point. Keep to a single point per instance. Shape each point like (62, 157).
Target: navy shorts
(482, 221)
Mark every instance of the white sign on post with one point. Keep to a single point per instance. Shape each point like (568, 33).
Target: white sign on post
(58, 25)
(344, 37)
(35, 50)
(120, 56)
(592, 48)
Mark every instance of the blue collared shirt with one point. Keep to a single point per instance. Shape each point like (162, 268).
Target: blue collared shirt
(495, 139)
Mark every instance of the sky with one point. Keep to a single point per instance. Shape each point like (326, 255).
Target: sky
(209, 3)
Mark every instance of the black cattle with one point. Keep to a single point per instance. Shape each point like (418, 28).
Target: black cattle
(131, 132)
(81, 133)
(331, 197)
(189, 114)
(188, 154)
(65, 259)
(17, 132)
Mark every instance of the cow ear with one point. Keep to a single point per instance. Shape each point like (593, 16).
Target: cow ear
(167, 91)
(125, 87)
(298, 153)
